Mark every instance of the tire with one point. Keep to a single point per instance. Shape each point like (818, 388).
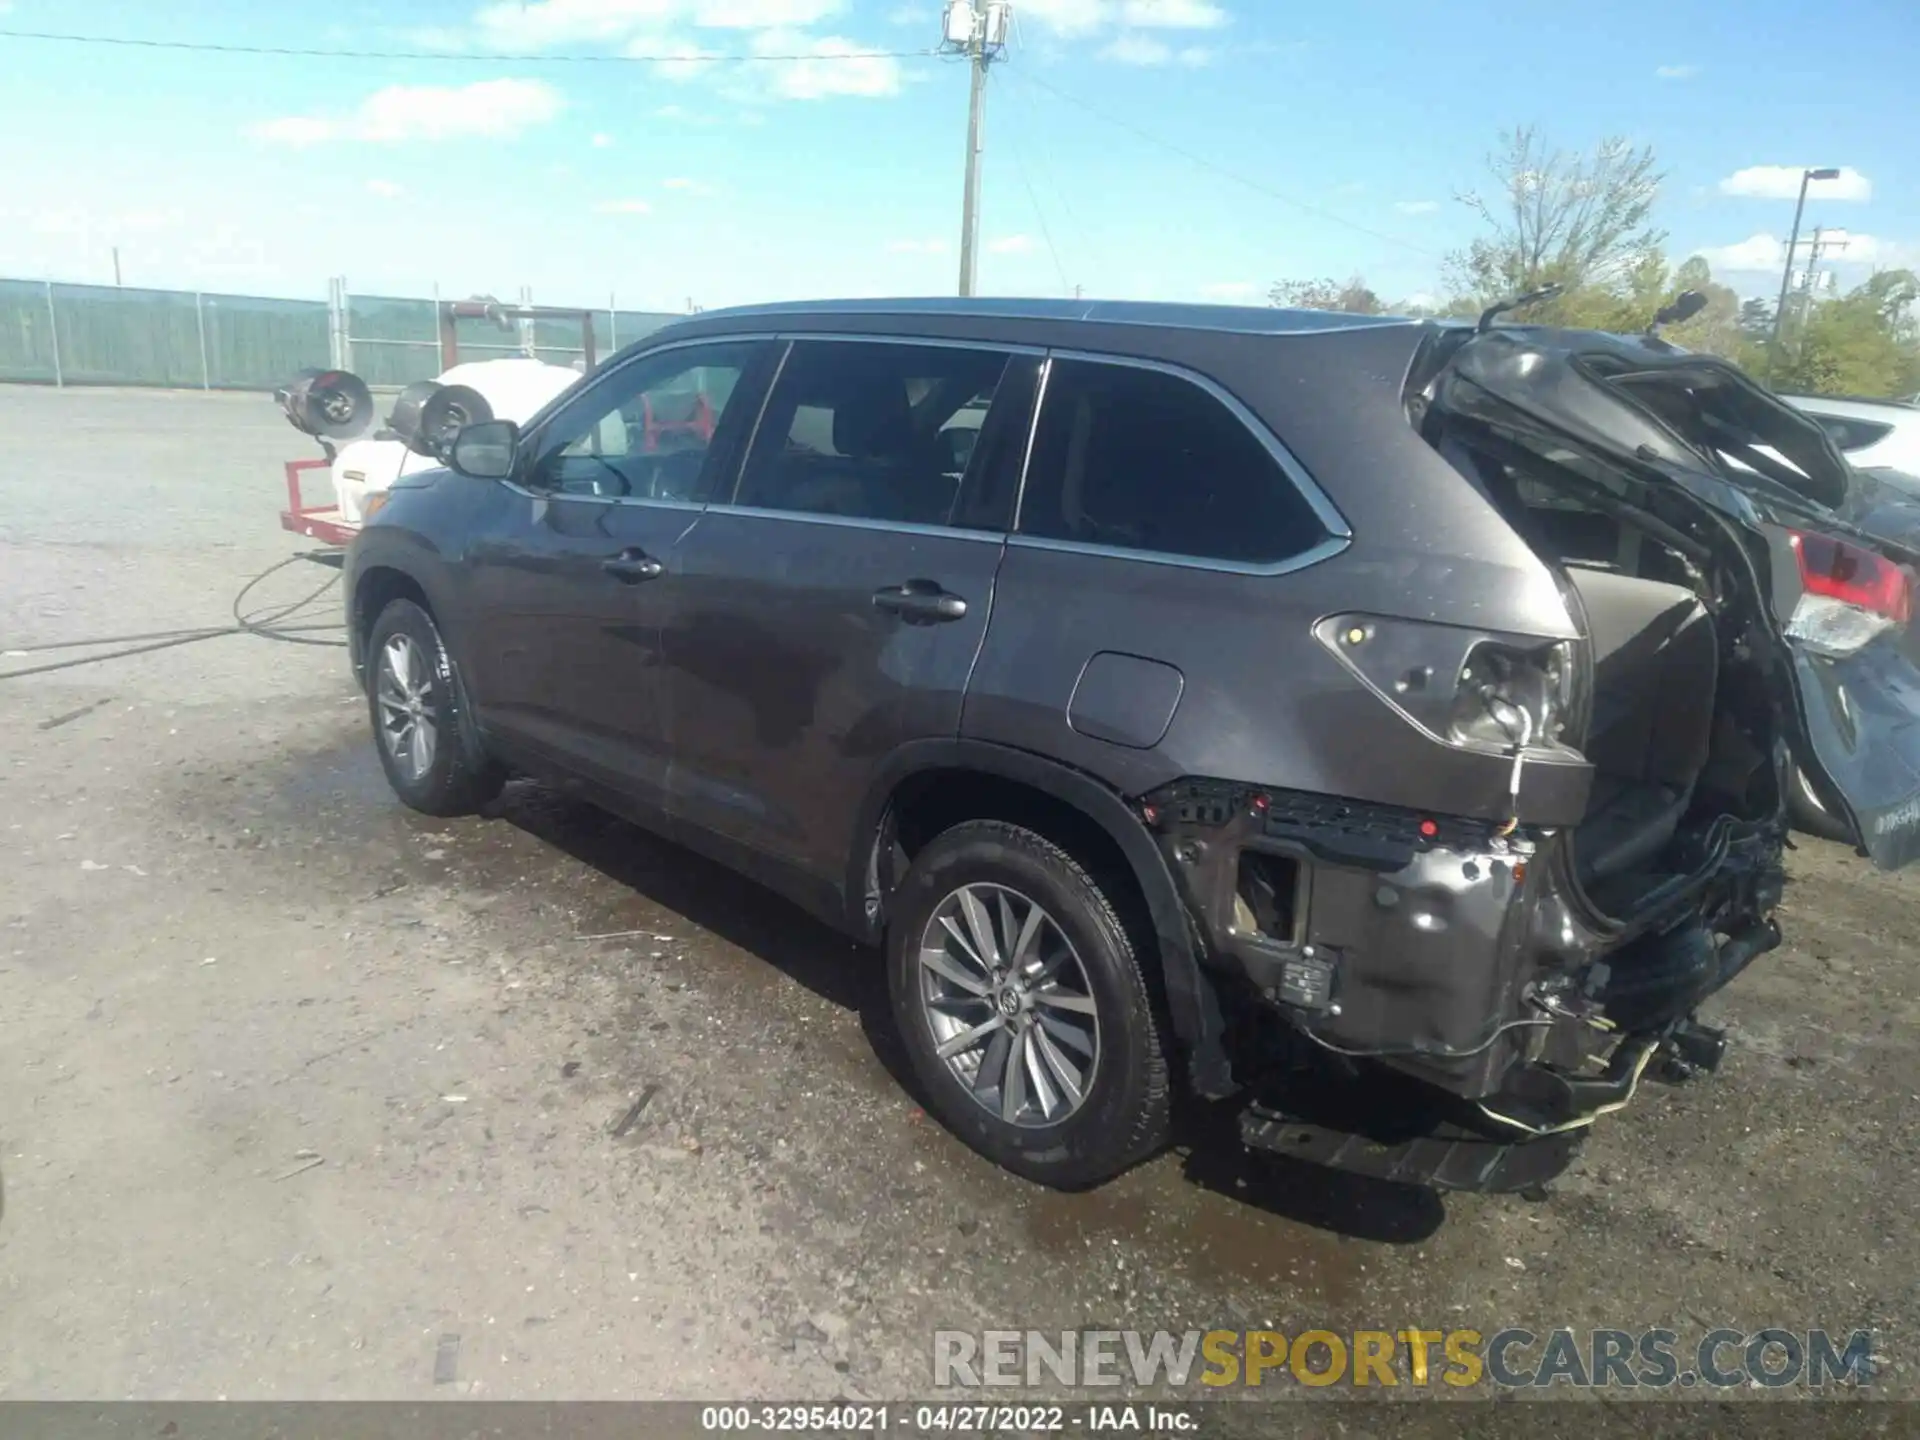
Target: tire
(1121, 1114)
(448, 782)
(1809, 815)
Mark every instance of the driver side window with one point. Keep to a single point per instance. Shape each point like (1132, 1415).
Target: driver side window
(645, 430)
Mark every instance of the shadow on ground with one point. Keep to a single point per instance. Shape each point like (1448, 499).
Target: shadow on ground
(773, 930)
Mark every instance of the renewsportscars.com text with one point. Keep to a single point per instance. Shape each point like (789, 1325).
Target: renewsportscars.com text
(1510, 1358)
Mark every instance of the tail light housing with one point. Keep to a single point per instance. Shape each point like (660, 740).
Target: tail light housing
(1509, 697)
(1849, 595)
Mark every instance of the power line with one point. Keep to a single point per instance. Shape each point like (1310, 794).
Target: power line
(701, 57)
(1205, 163)
(1036, 132)
(1020, 163)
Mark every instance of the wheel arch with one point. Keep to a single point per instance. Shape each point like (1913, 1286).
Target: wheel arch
(971, 779)
(375, 584)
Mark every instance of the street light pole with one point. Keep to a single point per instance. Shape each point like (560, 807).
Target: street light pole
(1786, 273)
(979, 34)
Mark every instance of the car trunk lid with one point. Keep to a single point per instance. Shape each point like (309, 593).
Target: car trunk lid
(1838, 597)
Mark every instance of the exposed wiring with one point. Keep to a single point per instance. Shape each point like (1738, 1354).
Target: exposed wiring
(483, 57)
(268, 624)
(1419, 1052)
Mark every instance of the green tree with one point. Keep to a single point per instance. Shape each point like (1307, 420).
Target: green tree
(1866, 342)
(1581, 221)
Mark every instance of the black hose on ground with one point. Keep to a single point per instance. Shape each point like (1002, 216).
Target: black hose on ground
(268, 624)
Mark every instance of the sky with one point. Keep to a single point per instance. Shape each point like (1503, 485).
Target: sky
(1140, 149)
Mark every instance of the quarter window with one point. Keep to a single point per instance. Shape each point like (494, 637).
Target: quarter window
(1136, 459)
(876, 431)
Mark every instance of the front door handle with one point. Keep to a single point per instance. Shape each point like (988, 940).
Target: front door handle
(920, 601)
(633, 565)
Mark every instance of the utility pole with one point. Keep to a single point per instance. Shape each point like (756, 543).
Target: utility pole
(1820, 246)
(978, 31)
(116, 265)
(1793, 243)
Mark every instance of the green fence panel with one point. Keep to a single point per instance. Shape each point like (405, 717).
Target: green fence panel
(107, 335)
(255, 343)
(111, 336)
(26, 332)
(396, 341)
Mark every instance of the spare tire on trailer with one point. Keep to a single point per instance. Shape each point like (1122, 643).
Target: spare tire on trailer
(327, 404)
(427, 415)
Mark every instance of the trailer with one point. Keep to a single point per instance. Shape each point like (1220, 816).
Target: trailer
(361, 456)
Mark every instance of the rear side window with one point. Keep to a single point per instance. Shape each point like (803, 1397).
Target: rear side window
(1137, 459)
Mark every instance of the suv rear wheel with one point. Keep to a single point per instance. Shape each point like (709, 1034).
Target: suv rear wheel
(410, 697)
(1024, 1009)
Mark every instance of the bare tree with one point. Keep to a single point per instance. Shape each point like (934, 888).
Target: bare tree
(1354, 297)
(1574, 220)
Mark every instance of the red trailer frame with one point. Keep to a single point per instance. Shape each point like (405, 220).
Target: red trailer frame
(323, 521)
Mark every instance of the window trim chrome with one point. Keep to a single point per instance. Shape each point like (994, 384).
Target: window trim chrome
(545, 417)
(1338, 536)
(860, 522)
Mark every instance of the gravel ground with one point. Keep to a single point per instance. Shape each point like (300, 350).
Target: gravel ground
(303, 1095)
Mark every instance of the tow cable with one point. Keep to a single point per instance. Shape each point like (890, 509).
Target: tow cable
(269, 623)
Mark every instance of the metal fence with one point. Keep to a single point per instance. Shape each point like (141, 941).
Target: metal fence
(59, 334)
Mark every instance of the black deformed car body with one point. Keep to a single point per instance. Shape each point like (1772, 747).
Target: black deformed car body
(1385, 722)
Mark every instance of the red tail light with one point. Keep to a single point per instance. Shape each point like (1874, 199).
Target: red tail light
(1849, 596)
(1852, 575)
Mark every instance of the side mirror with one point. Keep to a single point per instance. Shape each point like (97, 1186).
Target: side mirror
(485, 450)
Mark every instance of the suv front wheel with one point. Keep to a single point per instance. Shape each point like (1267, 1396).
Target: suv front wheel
(411, 698)
(1024, 1009)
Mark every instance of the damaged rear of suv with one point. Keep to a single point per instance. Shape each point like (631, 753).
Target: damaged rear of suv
(1525, 959)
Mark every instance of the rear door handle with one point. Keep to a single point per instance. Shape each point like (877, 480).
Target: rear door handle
(920, 601)
(633, 565)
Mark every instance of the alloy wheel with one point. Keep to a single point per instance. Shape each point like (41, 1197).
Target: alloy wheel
(404, 689)
(1009, 1005)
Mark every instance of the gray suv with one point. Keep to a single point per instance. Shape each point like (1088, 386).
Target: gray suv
(1382, 723)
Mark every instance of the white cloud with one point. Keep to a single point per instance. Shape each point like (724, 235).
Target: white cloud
(1755, 253)
(1138, 50)
(840, 69)
(1066, 17)
(1416, 207)
(1173, 14)
(763, 14)
(1765, 254)
(1083, 17)
(912, 15)
(623, 207)
(916, 247)
(688, 60)
(686, 186)
(1011, 245)
(385, 189)
(1782, 182)
(543, 24)
(602, 140)
(1872, 250)
(1133, 49)
(1232, 292)
(493, 108)
(1676, 72)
